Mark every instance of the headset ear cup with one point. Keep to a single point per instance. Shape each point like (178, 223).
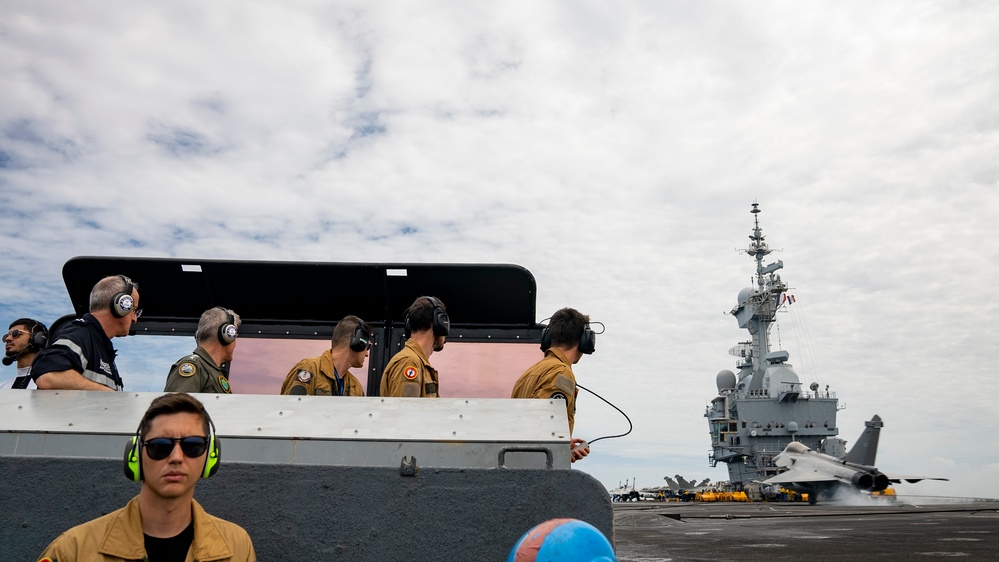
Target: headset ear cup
(227, 333)
(546, 339)
(358, 339)
(587, 341)
(442, 324)
(131, 462)
(213, 458)
(38, 341)
(121, 305)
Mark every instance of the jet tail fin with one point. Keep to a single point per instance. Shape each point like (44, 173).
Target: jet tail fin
(866, 448)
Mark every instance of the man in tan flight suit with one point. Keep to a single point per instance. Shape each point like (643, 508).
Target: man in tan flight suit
(328, 375)
(173, 449)
(202, 370)
(409, 373)
(565, 340)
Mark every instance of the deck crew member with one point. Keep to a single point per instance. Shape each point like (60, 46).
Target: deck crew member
(409, 373)
(81, 356)
(565, 340)
(24, 339)
(329, 374)
(174, 447)
(202, 370)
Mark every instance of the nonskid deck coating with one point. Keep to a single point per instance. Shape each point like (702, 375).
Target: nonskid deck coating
(913, 529)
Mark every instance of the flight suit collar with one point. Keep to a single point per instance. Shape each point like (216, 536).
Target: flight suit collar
(559, 354)
(124, 537)
(411, 344)
(200, 352)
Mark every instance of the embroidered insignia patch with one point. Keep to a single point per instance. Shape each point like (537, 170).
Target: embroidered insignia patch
(304, 376)
(410, 373)
(558, 396)
(224, 383)
(187, 369)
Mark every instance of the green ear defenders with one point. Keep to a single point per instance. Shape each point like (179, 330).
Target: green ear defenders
(133, 454)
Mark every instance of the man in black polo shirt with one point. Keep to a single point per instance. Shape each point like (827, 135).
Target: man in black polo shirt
(81, 356)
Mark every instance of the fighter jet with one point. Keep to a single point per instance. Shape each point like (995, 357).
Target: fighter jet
(818, 474)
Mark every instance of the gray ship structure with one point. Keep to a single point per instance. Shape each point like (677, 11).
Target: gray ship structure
(763, 407)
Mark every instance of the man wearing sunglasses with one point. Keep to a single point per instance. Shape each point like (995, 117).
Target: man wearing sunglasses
(23, 340)
(81, 356)
(203, 371)
(328, 374)
(174, 447)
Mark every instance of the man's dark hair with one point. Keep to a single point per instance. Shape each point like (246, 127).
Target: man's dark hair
(345, 329)
(566, 327)
(173, 403)
(420, 314)
(34, 326)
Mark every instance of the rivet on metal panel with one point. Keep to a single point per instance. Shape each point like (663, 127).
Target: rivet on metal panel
(19, 407)
(408, 467)
(355, 432)
(461, 416)
(280, 413)
(453, 433)
(369, 413)
(70, 424)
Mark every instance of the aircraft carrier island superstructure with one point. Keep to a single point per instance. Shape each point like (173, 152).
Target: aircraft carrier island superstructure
(763, 408)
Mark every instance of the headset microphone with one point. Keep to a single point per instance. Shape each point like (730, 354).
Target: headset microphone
(9, 359)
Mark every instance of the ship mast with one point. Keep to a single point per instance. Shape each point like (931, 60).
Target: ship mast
(757, 309)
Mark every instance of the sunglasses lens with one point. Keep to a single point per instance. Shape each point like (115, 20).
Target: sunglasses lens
(159, 448)
(193, 446)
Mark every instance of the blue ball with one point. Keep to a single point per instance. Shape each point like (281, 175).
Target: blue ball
(563, 540)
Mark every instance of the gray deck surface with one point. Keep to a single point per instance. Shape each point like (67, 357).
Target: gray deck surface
(928, 529)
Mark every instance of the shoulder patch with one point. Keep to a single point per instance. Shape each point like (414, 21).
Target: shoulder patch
(187, 369)
(224, 383)
(558, 396)
(565, 384)
(303, 376)
(410, 373)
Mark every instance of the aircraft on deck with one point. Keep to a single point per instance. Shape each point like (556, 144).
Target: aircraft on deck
(816, 474)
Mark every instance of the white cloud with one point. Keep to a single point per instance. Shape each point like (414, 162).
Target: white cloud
(613, 150)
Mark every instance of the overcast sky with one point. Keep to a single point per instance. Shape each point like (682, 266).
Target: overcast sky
(611, 148)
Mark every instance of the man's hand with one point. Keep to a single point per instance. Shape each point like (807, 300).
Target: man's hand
(579, 449)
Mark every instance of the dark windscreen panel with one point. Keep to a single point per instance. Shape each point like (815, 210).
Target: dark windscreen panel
(306, 299)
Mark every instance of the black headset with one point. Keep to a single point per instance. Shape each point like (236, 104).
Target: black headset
(587, 340)
(360, 339)
(133, 453)
(227, 331)
(441, 323)
(122, 303)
